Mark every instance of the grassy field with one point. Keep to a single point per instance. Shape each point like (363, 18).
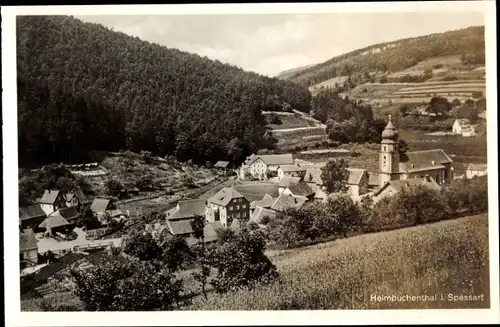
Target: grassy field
(449, 257)
(291, 121)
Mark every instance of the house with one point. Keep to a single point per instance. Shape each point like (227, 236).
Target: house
(286, 182)
(52, 200)
(55, 224)
(70, 214)
(258, 166)
(476, 170)
(186, 210)
(180, 228)
(266, 202)
(291, 171)
(260, 215)
(373, 180)
(288, 201)
(357, 182)
(394, 186)
(315, 182)
(28, 248)
(100, 205)
(396, 165)
(31, 216)
(300, 189)
(463, 127)
(221, 166)
(226, 205)
(76, 199)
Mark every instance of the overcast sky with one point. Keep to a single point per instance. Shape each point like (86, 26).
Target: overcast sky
(269, 44)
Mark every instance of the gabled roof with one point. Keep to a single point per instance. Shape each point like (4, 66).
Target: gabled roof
(373, 179)
(224, 196)
(301, 189)
(259, 214)
(288, 180)
(423, 159)
(313, 176)
(266, 202)
(100, 204)
(53, 222)
(477, 167)
(31, 211)
(180, 227)
(68, 196)
(291, 168)
(236, 224)
(67, 213)
(286, 201)
(221, 164)
(27, 240)
(114, 213)
(49, 196)
(397, 185)
(187, 209)
(272, 159)
(355, 175)
(81, 196)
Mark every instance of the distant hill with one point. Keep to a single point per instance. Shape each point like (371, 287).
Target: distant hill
(289, 72)
(83, 87)
(398, 55)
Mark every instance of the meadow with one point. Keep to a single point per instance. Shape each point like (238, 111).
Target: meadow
(345, 274)
(291, 121)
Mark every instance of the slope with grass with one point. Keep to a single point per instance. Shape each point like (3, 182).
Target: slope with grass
(448, 257)
(467, 44)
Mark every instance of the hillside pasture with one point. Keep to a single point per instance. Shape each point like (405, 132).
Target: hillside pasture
(330, 83)
(291, 121)
(345, 274)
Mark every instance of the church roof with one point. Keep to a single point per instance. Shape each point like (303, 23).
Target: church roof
(423, 160)
(390, 132)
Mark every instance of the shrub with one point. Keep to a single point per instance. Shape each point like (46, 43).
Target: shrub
(240, 260)
(141, 245)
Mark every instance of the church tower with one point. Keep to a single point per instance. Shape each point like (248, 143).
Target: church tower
(389, 155)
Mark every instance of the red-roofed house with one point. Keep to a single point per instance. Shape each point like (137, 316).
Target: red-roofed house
(226, 205)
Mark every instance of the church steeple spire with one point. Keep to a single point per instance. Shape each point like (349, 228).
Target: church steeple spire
(389, 154)
(390, 132)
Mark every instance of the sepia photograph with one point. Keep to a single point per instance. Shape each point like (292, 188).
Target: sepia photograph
(251, 161)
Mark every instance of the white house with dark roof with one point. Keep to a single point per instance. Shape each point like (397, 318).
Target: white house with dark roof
(463, 127)
(226, 205)
(291, 171)
(186, 210)
(259, 165)
(474, 170)
(52, 200)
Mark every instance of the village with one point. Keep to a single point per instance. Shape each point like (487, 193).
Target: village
(49, 227)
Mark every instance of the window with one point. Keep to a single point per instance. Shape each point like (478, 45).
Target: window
(244, 214)
(243, 206)
(385, 148)
(230, 208)
(237, 207)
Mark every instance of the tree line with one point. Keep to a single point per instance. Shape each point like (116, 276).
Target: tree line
(347, 120)
(83, 87)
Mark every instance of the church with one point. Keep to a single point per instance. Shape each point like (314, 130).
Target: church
(397, 168)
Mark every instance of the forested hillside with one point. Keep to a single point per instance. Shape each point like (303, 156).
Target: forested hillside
(398, 55)
(83, 87)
